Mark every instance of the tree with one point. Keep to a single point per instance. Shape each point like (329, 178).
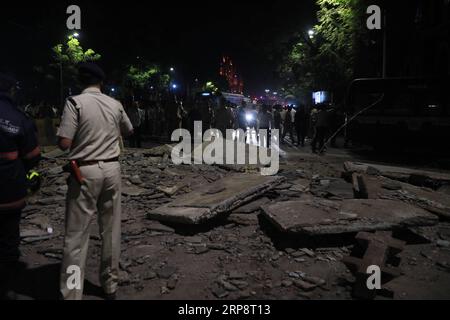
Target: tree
(71, 53)
(146, 79)
(210, 87)
(326, 59)
(66, 57)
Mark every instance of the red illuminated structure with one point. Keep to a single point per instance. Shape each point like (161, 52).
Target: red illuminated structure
(228, 71)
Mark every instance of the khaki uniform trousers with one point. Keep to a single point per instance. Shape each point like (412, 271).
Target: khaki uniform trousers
(100, 194)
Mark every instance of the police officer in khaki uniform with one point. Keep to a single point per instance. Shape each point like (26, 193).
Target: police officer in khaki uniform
(90, 128)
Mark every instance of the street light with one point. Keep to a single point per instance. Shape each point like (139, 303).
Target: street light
(74, 35)
(172, 69)
(267, 90)
(311, 34)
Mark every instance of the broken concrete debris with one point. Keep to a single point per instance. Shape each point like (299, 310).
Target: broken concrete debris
(172, 241)
(397, 173)
(380, 246)
(334, 217)
(198, 206)
(384, 188)
(359, 186)
(332, 188)
(252, 206)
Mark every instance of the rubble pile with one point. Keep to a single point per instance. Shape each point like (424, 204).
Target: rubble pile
(212, 232)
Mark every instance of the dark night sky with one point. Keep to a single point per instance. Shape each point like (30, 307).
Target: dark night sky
(188, 35)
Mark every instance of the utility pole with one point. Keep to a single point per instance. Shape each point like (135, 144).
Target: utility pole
(61, 85)
(384, 44)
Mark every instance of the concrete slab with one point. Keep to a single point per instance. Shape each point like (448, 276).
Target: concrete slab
(398, 173)
(200, 205)
(252, 206)
(237, 165)
(435, 202)
(132, 190)
(333, 187)
(243, 219)
(319, 217)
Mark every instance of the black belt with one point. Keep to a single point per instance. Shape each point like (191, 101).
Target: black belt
(91, 163)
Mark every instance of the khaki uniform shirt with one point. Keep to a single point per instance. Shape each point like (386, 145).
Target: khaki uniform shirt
(93, 121)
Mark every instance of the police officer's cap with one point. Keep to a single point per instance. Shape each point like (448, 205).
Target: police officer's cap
(91, 69)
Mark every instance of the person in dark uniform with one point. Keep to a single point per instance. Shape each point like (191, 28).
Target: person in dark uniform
(194, 115)
(277, 117)
(301, 125)
(223, 119)
(19, 153)
(265, 122)
(321, 129)
(288, 125)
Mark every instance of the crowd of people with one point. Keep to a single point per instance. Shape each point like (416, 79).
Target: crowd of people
(157, 119)
(300, 123)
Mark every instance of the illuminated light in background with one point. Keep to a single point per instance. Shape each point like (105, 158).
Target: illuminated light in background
(320, 97)
(206, 94)
(174, 86)
(311, 34)
(172, 69)
(249, 117)
(267, 90)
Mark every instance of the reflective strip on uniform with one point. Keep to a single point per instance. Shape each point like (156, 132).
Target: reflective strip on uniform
(32, 174)
(14, 155)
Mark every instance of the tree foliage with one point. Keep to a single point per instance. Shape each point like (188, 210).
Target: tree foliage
(71, 53)
(210, 87)
(147, 76)
(145, 80)
(67, 56)
(64, 59)
(325, 61)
